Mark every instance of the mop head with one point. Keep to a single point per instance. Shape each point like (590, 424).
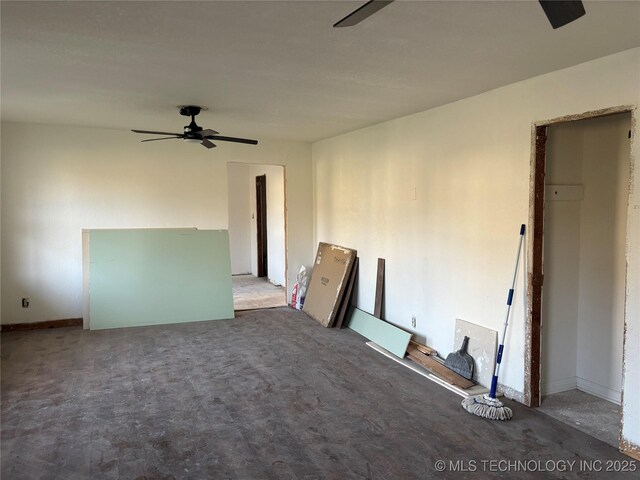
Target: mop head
(487, 407)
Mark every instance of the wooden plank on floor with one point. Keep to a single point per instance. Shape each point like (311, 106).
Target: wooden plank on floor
(438, 368)
(475, 390)
(348, 296)
(424, 348)
(377, 310)
(383, 333)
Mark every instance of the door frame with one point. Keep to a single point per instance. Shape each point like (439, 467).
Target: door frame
(262, 253)
(535, 240)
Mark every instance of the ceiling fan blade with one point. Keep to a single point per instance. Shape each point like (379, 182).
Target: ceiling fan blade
(154, 139)
(157, 133)
(207, 143)
(206, 132)
(361, 13)
(561, 12)
(233, 139)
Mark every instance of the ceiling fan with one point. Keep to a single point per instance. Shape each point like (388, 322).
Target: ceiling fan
(195, 133)
(559, 12)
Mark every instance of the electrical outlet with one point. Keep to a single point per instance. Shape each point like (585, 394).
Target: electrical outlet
(25, 302)
(413, 321)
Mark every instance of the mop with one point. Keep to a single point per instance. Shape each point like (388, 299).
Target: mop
(487, 405)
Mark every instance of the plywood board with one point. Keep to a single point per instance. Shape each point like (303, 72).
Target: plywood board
(471, 391)
(483, 344)
(328, 282)
(156, 276)
(389, 336)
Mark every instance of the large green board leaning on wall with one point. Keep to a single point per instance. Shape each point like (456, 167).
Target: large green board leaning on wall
(156, 276)
(388, 336)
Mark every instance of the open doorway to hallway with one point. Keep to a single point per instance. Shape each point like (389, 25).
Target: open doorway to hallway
(586, 176)
(257, 235)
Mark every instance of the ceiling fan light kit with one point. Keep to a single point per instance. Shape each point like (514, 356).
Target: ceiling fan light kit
(193, 133)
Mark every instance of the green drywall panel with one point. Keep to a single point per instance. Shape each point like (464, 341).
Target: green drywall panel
(384, 334)
(155, 276)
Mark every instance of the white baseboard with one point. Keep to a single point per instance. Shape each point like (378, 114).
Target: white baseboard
(557, 386)
(599, 391)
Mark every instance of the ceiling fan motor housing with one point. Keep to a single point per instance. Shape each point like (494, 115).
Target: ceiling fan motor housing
(191, 111)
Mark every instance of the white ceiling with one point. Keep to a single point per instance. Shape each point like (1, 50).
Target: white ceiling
(279, 70)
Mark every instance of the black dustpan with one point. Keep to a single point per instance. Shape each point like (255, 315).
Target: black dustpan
(461, 362)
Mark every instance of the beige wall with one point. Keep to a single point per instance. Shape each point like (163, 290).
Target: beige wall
(584, 257)
(58, 180)
(559, 334)
(603, 229)
(240, 241)
(449, 248)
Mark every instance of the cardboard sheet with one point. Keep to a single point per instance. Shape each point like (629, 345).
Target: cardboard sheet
(328, 282)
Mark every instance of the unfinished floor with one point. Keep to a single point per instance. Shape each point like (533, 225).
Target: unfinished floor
(269, 395)
(251, 292)
(587, 413)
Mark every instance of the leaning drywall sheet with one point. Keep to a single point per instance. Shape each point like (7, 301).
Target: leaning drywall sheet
(85, 278)
(328, 282)
(156, 276)
(483, 343)
(388, 336)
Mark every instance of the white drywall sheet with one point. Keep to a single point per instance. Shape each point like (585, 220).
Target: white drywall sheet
(483, 344)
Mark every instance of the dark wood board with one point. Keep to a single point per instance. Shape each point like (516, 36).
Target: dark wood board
(347, 298)
(377, 310)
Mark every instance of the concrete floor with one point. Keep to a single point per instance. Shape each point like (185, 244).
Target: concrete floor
(251, 292)
(587, 413)
(269, 395)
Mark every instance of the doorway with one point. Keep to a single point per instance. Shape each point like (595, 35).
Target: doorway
(578, 283)
(257, 235)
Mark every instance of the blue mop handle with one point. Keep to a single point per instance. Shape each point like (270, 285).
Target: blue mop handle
(494, 380)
